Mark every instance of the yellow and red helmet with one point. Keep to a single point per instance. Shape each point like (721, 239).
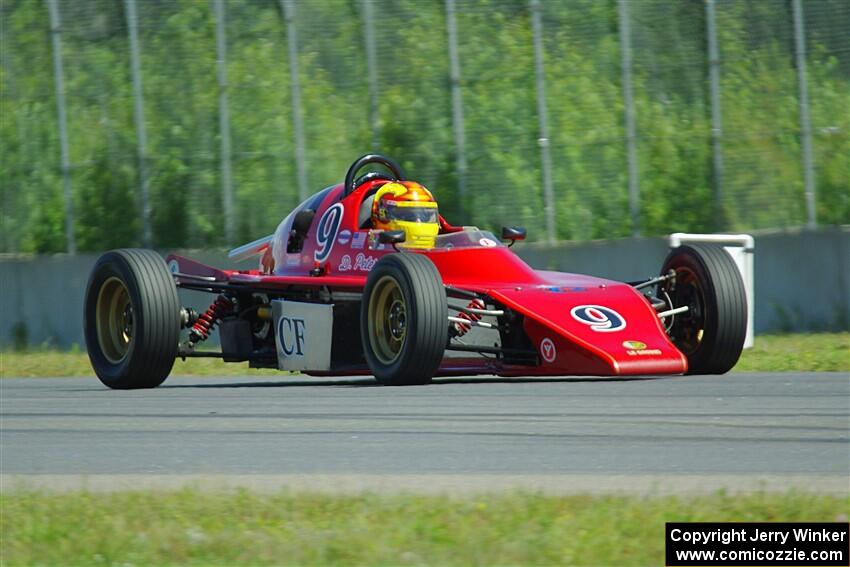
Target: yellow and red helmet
(407, 206)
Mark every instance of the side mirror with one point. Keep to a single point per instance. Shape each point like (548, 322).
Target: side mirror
(302, 221)
(513, 233)
(392, 237)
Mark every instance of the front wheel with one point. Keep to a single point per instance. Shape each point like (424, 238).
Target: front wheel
(131, 319)
(404, 320)
(712, 331)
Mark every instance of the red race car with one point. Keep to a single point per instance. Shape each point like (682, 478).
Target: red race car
(366, 277)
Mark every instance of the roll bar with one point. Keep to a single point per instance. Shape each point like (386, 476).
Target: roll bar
(366, 160)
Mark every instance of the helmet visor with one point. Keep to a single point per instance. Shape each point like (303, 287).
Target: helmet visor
(412, 214)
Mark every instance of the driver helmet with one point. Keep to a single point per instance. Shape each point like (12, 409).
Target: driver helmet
(407, 206)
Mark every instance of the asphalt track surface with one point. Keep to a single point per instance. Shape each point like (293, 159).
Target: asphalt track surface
(743, 432)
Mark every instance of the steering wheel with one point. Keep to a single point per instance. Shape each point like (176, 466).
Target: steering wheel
(351, 184)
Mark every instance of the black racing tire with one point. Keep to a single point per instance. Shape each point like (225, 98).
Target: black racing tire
(711, 333)
(404, 320)
(131, 319)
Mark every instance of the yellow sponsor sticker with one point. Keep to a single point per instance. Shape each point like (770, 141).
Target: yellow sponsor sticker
(637, 348)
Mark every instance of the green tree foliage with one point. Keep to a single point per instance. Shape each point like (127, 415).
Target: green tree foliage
(763, 176)
(108, 217)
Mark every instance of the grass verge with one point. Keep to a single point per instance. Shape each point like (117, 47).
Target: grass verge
(817, 352)
(191, 527)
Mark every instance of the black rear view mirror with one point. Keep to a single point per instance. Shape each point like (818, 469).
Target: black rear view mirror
(302, 221)
(392, 237)
(513, 233)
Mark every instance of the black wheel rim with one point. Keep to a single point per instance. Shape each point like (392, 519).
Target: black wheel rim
(688, 328)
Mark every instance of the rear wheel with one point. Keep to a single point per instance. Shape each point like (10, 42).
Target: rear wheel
(712, 331)
(131, 319)
(403, 320)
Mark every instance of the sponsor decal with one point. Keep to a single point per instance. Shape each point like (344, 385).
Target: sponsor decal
(599, 318)
(344, 237)
(373, 242)
(326, 232)
(292, 260)
(647, 352)
(290, 332)
(358, 240)
(547, 350)
(637, 348)
(488, 243)
(559, 289)
(362, 263)
(173, 266)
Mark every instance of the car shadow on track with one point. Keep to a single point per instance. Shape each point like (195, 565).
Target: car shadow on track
(368, 382)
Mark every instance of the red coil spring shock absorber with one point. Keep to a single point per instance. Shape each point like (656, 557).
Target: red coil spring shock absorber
(463, 328)
(201, 329)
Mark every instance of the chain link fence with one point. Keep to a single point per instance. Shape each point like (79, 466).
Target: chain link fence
(201, 123)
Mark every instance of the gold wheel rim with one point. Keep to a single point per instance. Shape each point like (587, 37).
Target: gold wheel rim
(115, 322)
(387, 320)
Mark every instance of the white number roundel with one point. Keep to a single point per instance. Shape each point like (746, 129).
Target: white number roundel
(599, 318)
(326, 232)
